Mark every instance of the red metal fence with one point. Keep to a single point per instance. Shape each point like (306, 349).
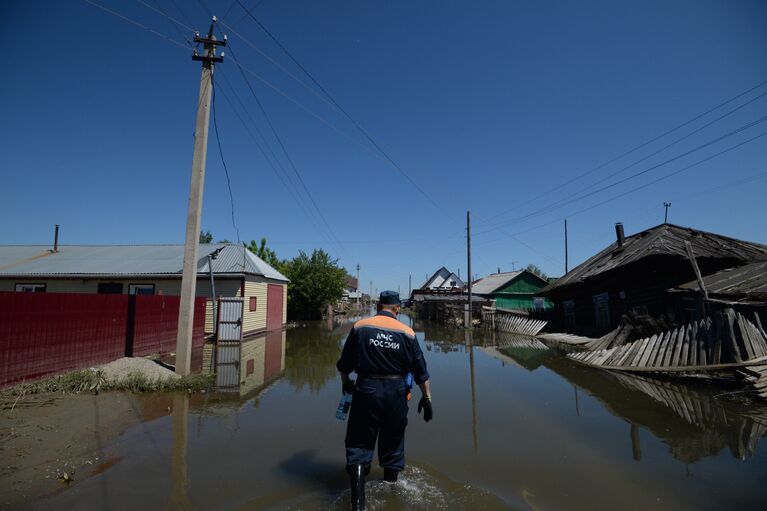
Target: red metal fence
(48, 333)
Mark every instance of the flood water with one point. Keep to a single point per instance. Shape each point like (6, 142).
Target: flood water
(515, 426)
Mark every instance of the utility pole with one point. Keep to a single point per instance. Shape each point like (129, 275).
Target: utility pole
(665, 216)
(358, 286)
(467, 315)
(409, 285)
(371, 291)
(192, 243)
(565, 246)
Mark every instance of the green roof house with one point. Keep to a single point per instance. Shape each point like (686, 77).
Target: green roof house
(513, 290)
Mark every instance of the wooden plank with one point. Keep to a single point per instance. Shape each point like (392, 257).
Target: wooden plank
(683, 369)
(700, 337)
(693, 360)
(631, 353)
(760, 347)
(663, 347)
(643, 361)
(643, 345)
(670, 348)
(744, 341)
(715, 331)
(627, 353)
(657, 360)
(729, 336)
(684, 356)
(676, 353)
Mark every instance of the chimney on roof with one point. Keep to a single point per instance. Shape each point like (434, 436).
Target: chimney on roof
(620, 236)
(56, 239)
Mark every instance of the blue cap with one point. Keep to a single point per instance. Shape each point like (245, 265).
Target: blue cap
(389, 298)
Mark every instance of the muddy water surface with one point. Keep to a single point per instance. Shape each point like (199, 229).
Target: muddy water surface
(516, 427)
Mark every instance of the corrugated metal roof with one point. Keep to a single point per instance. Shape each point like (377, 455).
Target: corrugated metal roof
(106, 260)
(745, 282)
(664, 239)
(493, 282)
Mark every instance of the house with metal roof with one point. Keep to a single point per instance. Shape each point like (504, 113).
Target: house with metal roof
(443, 280)
(516, 290)
(151, 269)
(634, 273)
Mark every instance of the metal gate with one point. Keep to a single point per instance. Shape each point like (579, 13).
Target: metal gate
(229, 347)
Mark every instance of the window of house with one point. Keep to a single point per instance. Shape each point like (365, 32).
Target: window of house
(110, 288)
(452, 283)
(141, 289)
(253, 303)
(30, 288)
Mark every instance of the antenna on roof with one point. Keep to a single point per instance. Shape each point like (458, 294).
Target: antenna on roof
(56, 239)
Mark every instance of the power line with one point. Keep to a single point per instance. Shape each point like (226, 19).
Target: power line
(632, 150)
(346, 114)
(287, 155)
(289, 186)
(136, 23)
(560, 204)
(159, 10)
(640, 187)
(223, 161)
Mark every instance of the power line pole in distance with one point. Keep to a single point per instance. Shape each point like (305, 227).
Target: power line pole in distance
(665, 215)
(194, 211)
(358, 286)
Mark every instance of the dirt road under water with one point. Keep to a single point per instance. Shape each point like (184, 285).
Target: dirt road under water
(515, 428)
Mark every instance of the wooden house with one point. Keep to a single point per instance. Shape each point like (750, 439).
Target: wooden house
(634, 273)
(513, 290)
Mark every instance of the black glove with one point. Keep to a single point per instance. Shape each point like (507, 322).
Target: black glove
(348, 387)
(425, 405)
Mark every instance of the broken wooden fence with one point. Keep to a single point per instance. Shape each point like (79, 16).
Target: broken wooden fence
(512, 323)
(726, 342)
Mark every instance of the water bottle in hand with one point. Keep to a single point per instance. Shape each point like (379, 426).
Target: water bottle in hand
(343, 407)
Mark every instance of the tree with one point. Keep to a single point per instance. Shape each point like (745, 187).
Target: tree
(265, 253)
(316, 281)
(536, 271)
(206, 237)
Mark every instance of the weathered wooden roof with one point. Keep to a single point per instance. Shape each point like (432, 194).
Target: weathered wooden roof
(747, 282)
(664, 239)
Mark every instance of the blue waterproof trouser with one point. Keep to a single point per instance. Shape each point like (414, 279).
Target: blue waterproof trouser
(379, 410)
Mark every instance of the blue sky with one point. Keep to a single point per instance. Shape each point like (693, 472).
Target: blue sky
(490, 106)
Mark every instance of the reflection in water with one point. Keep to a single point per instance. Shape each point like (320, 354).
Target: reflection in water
(688, 418)
(313, 351)
(247, 368)
(545, 445)
(179, 477)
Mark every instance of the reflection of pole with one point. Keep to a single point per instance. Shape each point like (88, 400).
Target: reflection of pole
(636, 448)
(577, 405)
(470, 344)
(178, 497)
(467, 316)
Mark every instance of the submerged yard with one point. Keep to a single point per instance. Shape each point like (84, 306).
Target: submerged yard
(516, 427)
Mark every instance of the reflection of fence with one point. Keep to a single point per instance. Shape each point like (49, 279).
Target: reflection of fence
(744, 431)
(49, 333)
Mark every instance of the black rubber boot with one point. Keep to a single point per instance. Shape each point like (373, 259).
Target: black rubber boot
(390, 475)
(357, 481)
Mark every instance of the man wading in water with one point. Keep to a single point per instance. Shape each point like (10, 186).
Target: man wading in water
(382, 351)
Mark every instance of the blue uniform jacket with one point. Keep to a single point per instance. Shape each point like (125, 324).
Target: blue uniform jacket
(381, 345)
